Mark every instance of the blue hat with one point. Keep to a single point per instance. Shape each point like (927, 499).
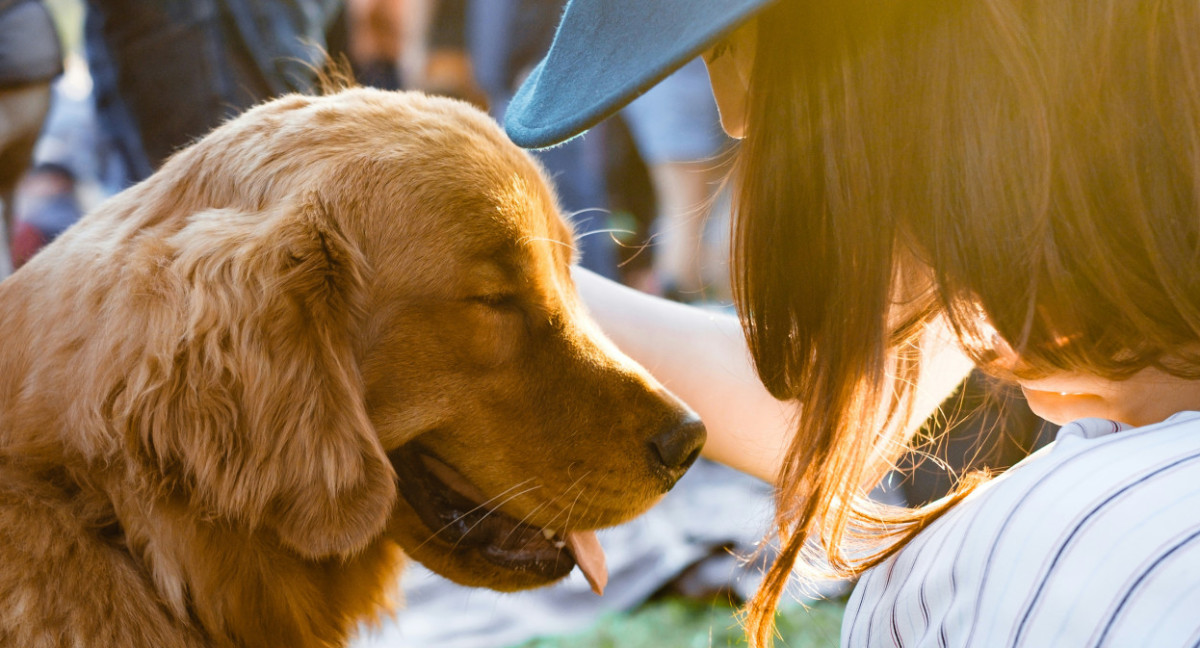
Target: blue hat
(605, 53)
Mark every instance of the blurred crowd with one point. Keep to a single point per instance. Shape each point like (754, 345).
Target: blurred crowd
(95, 94)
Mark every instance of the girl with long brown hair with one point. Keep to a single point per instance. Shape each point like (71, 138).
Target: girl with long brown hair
(920, 183)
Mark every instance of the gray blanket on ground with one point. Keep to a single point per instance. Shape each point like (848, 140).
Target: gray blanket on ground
(690, 540)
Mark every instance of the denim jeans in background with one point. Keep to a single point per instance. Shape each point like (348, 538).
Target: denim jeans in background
(167, 71)
(505, 38)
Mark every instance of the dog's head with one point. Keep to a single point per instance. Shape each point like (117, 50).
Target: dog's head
(374, 298)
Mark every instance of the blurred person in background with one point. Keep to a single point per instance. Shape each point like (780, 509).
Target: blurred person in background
(504, 39)
(30, 58)
(166, 73)
(678, 135)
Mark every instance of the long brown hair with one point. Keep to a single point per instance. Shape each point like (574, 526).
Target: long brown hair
(1028, 167)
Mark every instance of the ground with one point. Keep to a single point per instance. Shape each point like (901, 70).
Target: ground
(685, 623)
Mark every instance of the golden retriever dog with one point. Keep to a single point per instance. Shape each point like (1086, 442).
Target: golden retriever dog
(335, 332)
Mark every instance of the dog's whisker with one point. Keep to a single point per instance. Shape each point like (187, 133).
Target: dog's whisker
(611, 231)
(615, 233)
(525, 519)
(486, 504)
(499, 500)
(550, 525)
(567, 511)
(492, 510)
(574, 483)
(571, 216)
(554, 500)
(545, 239)
(574, 503)
(565, 514)
(591, 499)
(639, 249)
(568, 490)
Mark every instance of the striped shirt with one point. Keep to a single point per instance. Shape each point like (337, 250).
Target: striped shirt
(1092, 541)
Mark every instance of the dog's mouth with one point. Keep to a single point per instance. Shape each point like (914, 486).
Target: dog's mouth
(460, 516)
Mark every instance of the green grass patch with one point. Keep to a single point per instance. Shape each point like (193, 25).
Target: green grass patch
(685, 623)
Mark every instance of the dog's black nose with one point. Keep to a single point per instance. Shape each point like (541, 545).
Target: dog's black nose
(679, 445)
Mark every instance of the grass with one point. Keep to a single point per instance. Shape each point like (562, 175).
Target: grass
(685, 623)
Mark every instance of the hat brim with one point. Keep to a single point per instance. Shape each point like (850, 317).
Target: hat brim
(607, 52)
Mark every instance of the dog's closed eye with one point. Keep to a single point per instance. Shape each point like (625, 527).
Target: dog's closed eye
(496, 300)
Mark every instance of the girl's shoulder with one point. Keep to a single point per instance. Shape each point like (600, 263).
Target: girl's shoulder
(1096, 538)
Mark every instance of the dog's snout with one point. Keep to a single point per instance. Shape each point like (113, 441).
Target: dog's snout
(678, 446)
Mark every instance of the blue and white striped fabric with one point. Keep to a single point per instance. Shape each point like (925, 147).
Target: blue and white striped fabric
(1092, 541)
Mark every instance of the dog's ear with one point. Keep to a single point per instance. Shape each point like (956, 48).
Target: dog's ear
(254, 405)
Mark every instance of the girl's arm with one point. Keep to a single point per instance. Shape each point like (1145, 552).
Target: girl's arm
(702, 357)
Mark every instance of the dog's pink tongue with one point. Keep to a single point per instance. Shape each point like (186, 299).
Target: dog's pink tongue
(589, 555)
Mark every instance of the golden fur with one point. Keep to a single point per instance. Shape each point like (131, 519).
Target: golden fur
(212, 386)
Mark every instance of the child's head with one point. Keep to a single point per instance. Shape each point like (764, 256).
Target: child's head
(1037, 162)
(1042, 157)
